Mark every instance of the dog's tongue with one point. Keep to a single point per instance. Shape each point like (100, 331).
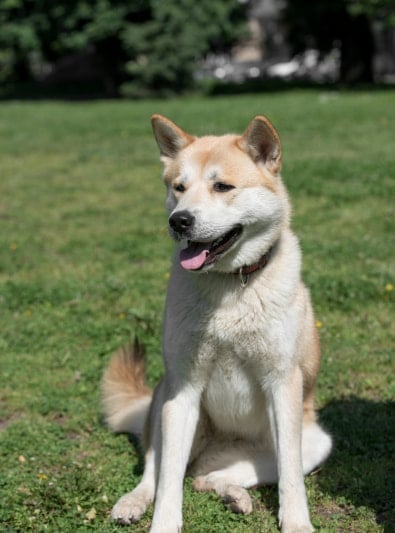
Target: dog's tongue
(194, 255)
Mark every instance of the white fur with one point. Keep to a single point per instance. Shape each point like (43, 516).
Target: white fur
(132, 418)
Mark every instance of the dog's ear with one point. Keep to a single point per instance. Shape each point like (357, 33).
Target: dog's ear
(170, 138)
(262, 142)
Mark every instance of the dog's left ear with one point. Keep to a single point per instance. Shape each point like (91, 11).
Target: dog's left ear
(170, 137)
(262, 142)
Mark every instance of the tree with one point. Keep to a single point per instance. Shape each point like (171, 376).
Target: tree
(347, 23)
(180, 33)
(35, 33)
(381, 10)
(152, 44)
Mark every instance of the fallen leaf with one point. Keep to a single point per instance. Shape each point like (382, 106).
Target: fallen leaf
(91, 515)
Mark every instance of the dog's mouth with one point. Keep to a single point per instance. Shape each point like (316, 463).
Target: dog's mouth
(201, 254)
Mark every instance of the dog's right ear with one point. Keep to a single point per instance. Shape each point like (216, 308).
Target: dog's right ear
(262, 142)
(170, 138)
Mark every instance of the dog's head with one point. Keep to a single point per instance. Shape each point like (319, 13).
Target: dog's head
(224, 194)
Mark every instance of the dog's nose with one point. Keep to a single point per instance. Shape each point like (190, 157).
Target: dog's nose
(181, 221)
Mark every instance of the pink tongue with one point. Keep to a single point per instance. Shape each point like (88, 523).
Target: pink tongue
(194, 256)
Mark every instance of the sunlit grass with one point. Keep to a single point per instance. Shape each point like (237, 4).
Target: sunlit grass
(84, 260)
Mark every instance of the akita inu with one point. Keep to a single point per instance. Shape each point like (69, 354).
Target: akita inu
(240, 347)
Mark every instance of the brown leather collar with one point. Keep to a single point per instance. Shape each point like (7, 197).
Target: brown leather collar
(245, 271)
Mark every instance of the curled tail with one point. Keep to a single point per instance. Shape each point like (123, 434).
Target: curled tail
(126, 397)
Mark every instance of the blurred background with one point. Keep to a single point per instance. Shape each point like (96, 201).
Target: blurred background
(139, 48)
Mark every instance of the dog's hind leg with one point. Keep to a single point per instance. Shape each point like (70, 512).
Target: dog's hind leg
(239, 467)
(316, 446)
(234, 496)
(230, 468)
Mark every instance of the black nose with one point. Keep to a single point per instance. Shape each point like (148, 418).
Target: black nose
(181, 221)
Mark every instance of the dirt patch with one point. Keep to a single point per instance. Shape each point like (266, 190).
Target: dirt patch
(5, 422)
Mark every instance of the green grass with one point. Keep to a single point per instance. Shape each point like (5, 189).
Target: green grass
(84, 259)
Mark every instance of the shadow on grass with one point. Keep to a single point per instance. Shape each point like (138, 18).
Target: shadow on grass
(134, 441)
(361, 467)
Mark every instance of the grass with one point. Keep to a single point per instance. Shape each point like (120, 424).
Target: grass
(84, 259)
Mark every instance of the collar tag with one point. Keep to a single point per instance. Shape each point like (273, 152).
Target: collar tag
(243, 278)
(245, 271)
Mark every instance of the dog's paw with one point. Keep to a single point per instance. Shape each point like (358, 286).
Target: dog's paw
(201, 484)
(237, 499)
(130, 508)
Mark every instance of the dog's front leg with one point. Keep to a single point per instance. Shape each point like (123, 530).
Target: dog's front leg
(287, 404)
(180, 415)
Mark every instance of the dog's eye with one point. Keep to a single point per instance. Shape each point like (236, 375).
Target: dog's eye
(222, 187)
(179, 187)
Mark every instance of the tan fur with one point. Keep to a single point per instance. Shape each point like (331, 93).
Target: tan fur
(125, 393)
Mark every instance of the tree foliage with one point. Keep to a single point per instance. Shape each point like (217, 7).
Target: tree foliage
(178, 35)
(381, 10)
(148, 43)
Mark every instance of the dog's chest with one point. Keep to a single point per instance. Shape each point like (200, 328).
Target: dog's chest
(240, 332)
(233, 398)
(241, 343)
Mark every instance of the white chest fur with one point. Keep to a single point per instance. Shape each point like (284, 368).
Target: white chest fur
(234, 400)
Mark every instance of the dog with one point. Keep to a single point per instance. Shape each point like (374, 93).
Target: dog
(240, 346)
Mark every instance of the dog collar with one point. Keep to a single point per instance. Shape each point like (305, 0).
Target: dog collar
(245, 271)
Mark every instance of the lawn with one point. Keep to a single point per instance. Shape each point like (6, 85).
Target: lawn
(84, 261)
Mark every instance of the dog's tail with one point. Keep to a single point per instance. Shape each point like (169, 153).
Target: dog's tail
(126, 397)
